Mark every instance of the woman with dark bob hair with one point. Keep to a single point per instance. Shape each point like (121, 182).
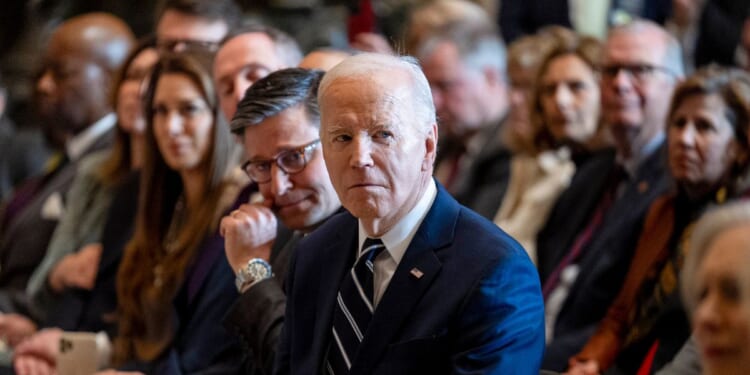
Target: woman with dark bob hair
(707, 134)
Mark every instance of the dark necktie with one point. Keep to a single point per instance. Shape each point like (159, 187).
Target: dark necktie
(582, 240)
(353, 309)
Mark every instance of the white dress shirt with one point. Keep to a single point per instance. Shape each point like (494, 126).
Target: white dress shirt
(396, 242)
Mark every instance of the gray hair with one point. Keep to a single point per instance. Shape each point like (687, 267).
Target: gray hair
(479, 47)
(367, 65)
(672, 58)
(707, 229)
(285, 46)
(275, 93)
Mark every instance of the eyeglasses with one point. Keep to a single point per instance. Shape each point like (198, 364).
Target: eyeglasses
(290, 161)
(180, 45)
(639, 72)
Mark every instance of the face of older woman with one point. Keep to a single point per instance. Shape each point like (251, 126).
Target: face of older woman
(721, 320)
(569, 95)
(702, 145)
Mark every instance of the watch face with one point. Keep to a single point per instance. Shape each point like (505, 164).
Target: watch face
(258, 270)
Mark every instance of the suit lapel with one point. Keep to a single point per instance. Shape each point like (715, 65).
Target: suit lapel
(407, 285)
(334, 261)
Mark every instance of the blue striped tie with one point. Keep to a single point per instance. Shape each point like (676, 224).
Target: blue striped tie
(353, 311)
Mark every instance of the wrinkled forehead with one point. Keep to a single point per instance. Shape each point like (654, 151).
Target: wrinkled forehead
(364, 93)
(635, 46)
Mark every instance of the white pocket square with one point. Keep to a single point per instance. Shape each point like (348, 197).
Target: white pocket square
(53, 207)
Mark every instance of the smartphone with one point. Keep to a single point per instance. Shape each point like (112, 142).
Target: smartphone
(82, 353)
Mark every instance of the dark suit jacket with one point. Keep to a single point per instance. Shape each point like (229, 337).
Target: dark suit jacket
(605, 260)
(258, 315)
(476, 308)
(201, 344)
(719, 31)
(489, 185)
(26, 235)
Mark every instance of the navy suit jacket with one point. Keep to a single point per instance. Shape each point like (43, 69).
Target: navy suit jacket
(476, 309)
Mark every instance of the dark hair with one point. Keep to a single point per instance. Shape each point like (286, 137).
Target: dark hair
(732, 85)
(285, 46)
(276, 92)
(117, 164)
(162, 239)
(215, 10)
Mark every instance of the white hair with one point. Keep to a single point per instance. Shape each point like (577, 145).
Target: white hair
(707, 229)
(374, 65)
(672, 58)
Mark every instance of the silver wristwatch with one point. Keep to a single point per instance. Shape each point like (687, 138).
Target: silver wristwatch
(256, 270)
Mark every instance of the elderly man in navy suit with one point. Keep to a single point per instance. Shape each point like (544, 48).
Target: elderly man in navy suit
(409, 281)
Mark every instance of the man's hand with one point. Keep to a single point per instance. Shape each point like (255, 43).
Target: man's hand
(248, 233)
(582, 367)
(30, 365)
(15, 328)
(77, 270)
(38, 353)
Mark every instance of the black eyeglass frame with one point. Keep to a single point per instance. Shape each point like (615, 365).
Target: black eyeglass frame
(638, 71)
(305, 151)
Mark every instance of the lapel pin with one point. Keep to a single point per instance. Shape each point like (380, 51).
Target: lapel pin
(416, 273)
(643, 187)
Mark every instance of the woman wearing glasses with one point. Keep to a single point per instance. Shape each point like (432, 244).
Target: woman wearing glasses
(707, 133)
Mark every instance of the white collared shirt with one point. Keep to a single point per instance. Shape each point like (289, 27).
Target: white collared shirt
(396, 241)
(81, 142)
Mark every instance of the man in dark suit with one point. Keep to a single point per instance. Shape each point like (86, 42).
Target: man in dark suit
(465, 65)
(81, 60)
(278, 121)
(586, 246)
(437, 289)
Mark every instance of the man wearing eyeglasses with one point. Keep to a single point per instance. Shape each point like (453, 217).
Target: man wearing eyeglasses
(195, 24)
(589, 239)
(278, 122)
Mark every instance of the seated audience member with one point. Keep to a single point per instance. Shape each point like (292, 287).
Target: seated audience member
(247, 55)
(707, 135)
(68, 290)
(465, 66)
(409, 303)
(185, 25)
(565, 120)
(278, 120)
(174, 284)
(81, 60)
(585, 247)
(714, 287)
(524, 57)
(75, 248)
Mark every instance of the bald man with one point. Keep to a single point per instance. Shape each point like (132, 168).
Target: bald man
(80, 62)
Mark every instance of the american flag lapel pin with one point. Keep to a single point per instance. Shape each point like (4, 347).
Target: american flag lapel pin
(416, 273)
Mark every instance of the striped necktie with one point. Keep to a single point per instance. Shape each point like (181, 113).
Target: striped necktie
(353, 309)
